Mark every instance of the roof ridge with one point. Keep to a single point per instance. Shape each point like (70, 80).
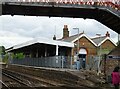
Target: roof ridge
(70, 36)
(97, 37)
(75, 35)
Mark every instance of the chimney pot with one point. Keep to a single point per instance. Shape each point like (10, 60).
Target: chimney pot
(65, 32)
(65, 26)
(54, 38)
(107, 34)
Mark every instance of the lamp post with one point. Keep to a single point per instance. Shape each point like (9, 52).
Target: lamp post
(78, 61)
(77, 41)
(99, 54)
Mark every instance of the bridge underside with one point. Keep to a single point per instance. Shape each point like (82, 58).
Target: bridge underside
(102, 15)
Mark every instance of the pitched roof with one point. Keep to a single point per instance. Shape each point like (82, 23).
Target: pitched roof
(98, 40)
(115, 53)
(102, 39)
(71, 38)
(74, 38)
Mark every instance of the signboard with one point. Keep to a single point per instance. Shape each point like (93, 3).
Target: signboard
(113, 57)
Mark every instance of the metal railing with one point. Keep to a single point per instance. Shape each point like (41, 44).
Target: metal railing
(57, 62)
(53, 62)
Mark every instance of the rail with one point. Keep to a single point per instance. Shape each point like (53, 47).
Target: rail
(27, 80)
(15, 79)
(4, 85)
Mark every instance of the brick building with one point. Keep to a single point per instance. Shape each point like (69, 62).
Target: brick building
(87, 47)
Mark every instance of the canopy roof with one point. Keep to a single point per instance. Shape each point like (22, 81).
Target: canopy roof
(43, 41)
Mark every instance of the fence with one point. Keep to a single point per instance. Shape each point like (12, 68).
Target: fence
(92, 62)
(55, 62)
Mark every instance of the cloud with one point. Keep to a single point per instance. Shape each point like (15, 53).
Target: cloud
(11, 41)
(26, 27)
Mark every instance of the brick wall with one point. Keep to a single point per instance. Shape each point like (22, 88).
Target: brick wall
(106, 47)
(85, 43)
(110, 65)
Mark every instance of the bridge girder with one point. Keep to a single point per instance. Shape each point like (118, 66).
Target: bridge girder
(104, 16)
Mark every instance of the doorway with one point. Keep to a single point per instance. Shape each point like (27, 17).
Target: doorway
(82, 57)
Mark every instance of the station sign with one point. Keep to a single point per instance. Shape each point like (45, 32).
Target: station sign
(113, 57)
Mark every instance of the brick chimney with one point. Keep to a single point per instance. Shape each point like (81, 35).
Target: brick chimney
(107, 34)
(65, 32)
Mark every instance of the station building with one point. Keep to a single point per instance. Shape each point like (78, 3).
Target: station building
(63, 52)
(88, 47)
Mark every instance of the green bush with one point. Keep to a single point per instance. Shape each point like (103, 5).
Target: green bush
(5, 59)
(19, 56)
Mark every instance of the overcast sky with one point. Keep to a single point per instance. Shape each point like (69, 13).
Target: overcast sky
(18, 29)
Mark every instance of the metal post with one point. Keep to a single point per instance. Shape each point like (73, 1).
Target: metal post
(78, 41)
(99, 71)
(71, 62)
(105, 57)
(62, 61)
(56, 50)
(77, 48)
(118, 39)
(118, 46)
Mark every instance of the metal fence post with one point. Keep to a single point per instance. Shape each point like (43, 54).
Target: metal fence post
(71, 62)
(62, 62)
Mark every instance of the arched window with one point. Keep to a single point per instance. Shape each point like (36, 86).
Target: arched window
(82, 51)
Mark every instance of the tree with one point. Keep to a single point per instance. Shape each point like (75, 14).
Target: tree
(2, 50)
(2, 53)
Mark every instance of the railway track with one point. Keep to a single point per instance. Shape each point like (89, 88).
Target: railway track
(11, 81)
(27, 80)
(3, 85)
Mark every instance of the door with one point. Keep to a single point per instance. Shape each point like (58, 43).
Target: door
(82, 57)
